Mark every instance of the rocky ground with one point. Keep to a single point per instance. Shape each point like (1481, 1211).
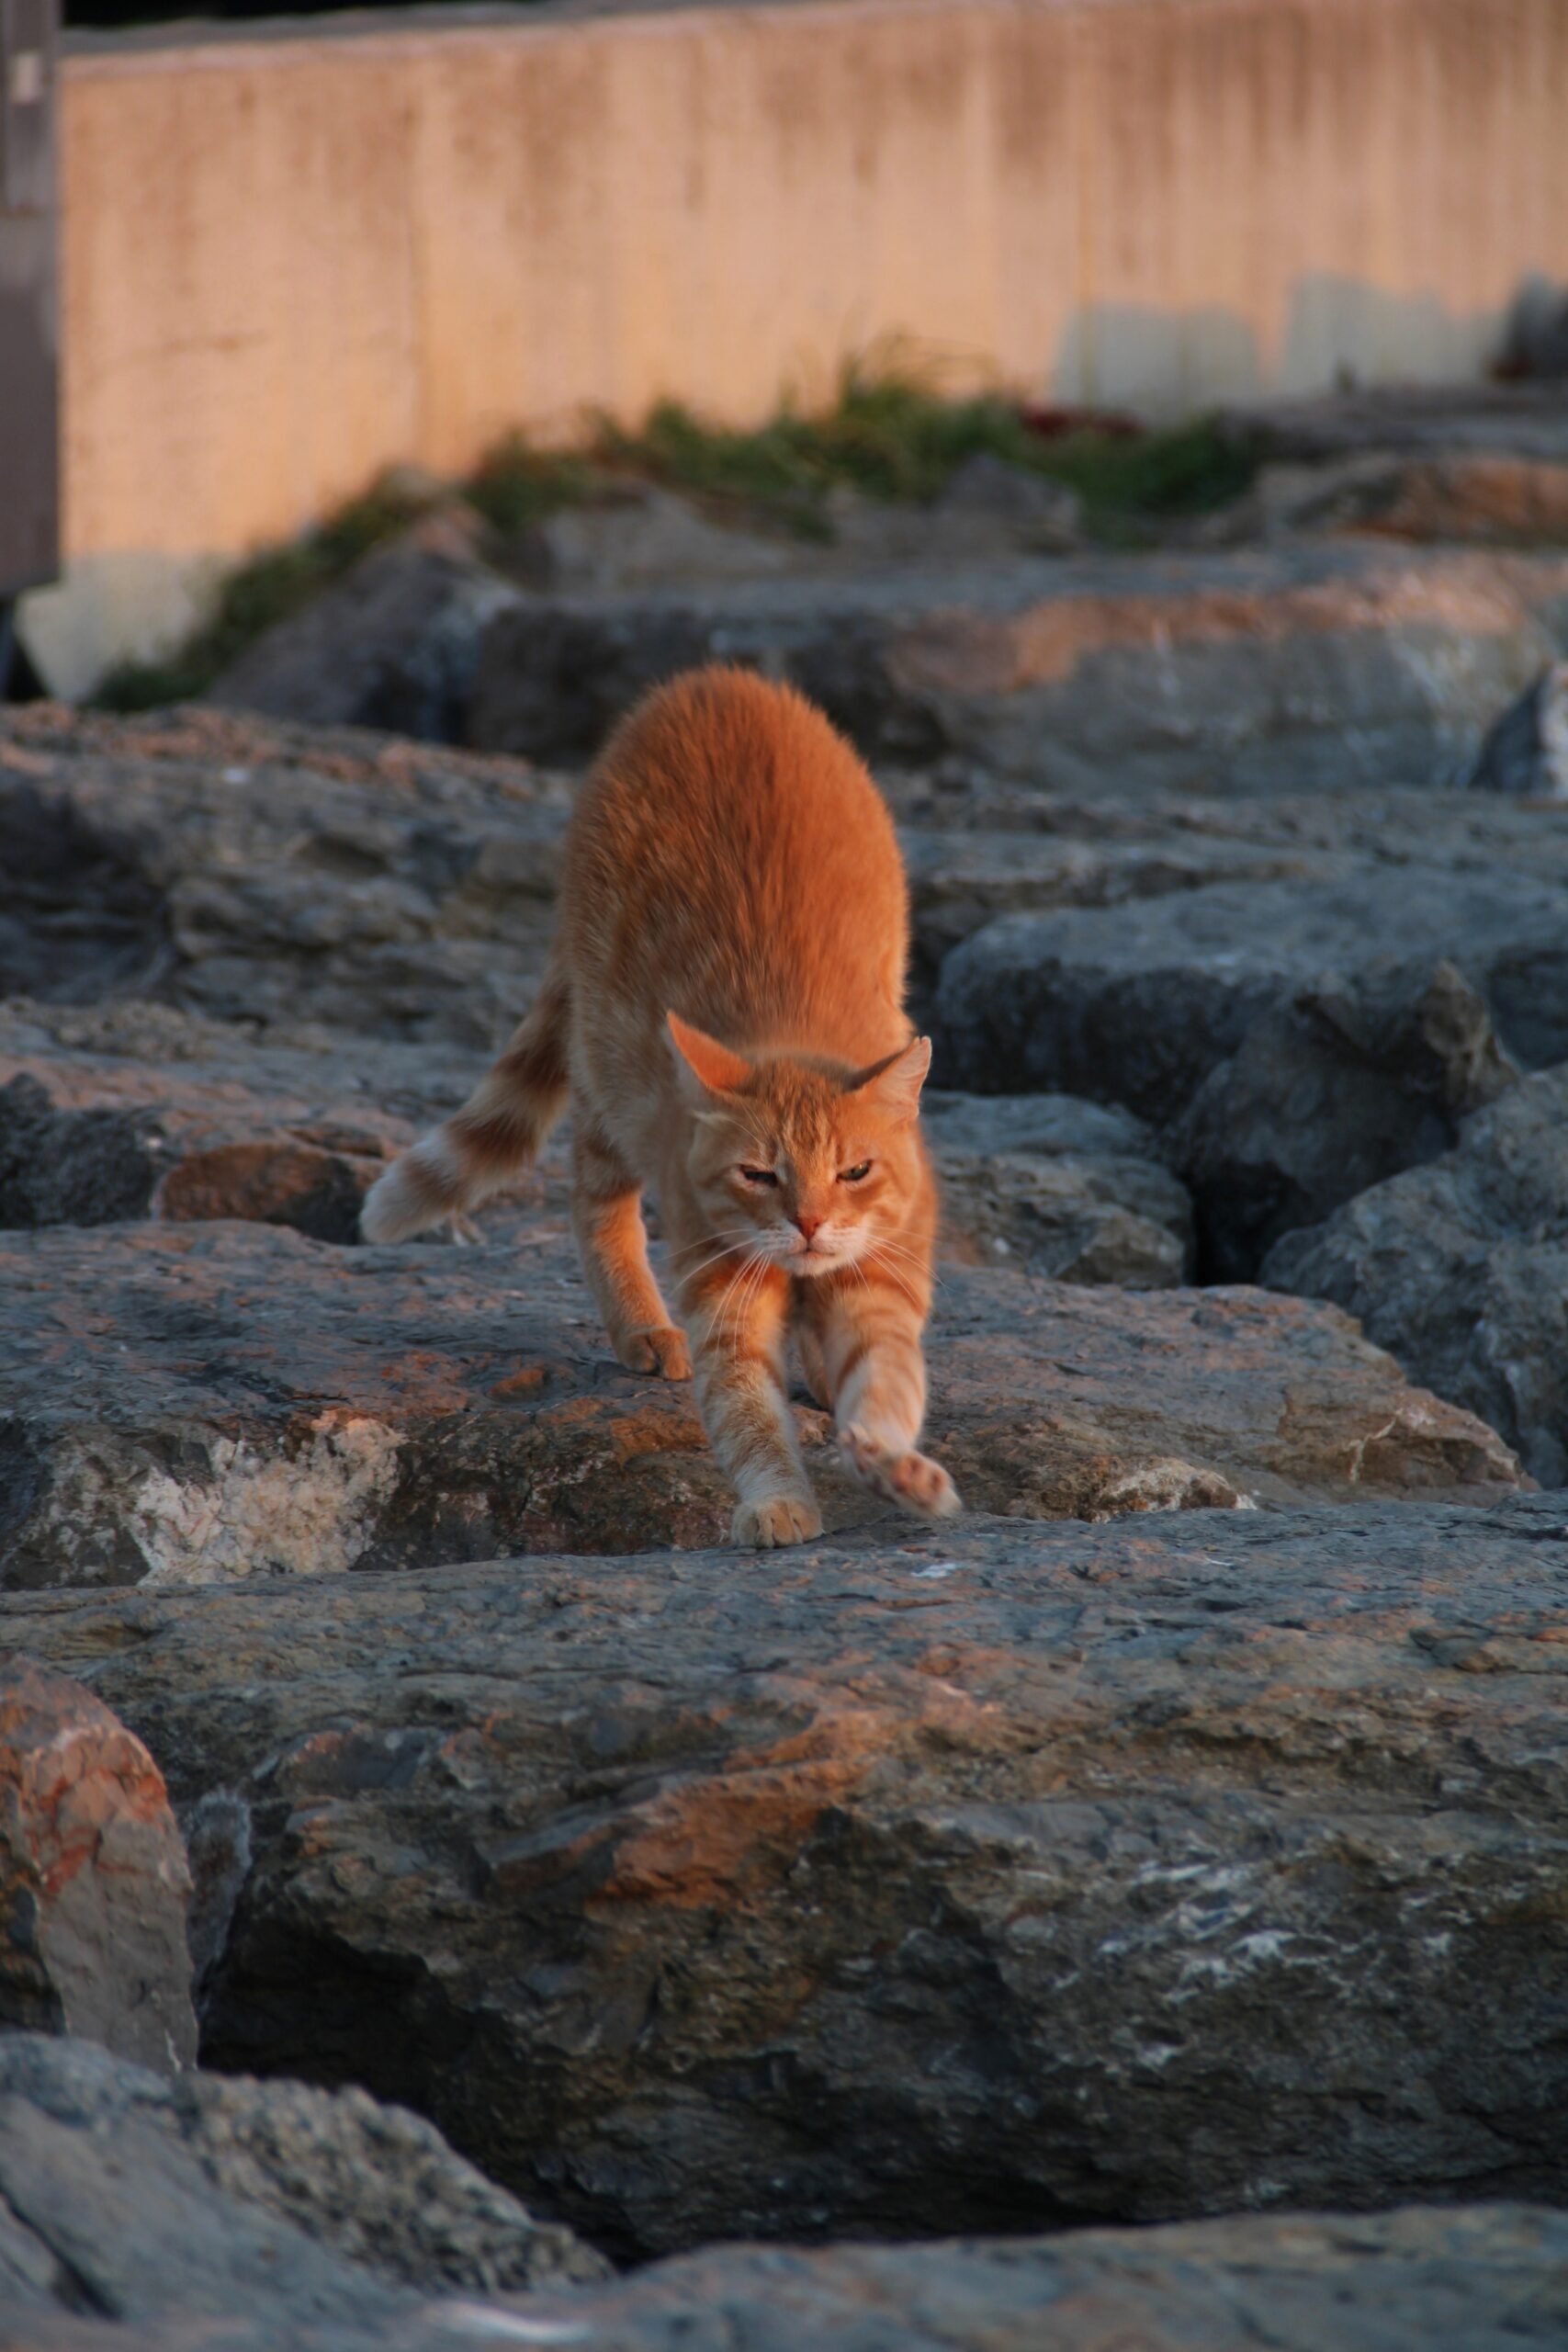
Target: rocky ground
(1178, 1838)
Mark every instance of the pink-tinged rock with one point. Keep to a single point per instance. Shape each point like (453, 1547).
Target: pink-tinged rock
(93, 1881)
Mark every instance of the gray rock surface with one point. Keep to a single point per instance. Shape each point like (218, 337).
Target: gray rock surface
(269, 875)
(96, 1139)
(394, 643)
(1478, 2279)
(93, 1876)
(71, 1166)
(1488, 2278)
(1280, 671)
(1526, 751)
(1349, 1084)
(197, 1404)
(1001, 1874)
(1139, 1003)
(1461, 498)
(1464, 1264)
(1058, 1186)
(371, 2185)
(1521, 419)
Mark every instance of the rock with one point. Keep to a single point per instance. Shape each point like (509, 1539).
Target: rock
(1486, 2279)
(1138, 1004)
(193, 1405)
(1060, 1186)
(1278, 670)
(1481, 2278)
(222, 2214)
(1535, 342)
(1039, 511)
(1526, 751)
(275, 877)
(640, 537)
(1519, 419)
(372, 2185)
(988, 510)
(133, 1050)
(1463, 1264)
(1351, 1082)
(90, 1140)
(961, 879)
(93, 1876)
(393, 644)
(998, 1874)
(90, 1167)
(1462, 497)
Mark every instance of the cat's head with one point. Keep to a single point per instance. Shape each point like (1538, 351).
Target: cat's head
(808, 1167)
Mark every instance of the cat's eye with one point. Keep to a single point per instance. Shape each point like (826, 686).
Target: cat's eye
(855, 1175)
(758, 1175)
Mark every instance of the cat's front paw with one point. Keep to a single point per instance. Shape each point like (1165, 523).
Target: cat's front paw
(663, 1349)
(898, 1474)
(783, 1518)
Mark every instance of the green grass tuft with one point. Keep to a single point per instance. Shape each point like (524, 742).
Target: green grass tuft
(888, 436)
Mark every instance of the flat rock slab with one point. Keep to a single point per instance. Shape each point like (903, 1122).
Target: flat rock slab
(1479, 2278)
(1004, 1876)
(1482, 2278)
(1276, 670)
(1519, 420)
(86, 1140)
(195, 1403)
(1485, 2280)
(262, 873)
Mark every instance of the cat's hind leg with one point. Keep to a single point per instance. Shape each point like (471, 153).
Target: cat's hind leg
(612, 1241)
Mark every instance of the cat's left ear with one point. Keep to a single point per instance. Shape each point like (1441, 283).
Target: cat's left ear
(701, 1058)
(895, 1084)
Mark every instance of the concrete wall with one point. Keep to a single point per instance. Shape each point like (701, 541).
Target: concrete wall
(294, 257)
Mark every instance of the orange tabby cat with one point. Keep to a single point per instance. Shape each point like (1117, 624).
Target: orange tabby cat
(724, 1008)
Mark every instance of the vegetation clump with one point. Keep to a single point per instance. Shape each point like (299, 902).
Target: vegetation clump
(886, 436)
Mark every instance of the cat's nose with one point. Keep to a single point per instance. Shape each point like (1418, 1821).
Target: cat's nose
(808, 1225)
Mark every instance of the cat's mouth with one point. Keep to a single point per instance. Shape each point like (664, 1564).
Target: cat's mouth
(815, 1258)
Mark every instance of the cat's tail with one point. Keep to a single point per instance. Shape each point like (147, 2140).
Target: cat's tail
(493, 1137)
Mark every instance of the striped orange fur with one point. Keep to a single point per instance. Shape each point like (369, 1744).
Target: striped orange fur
(724, 1010)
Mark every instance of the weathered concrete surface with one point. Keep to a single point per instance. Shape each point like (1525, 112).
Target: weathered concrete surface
(1350, 1082)
(93, 1876)
(1491, 2277)
(1272, 670)
(196, 1405)
(1464, 1262)
(1020, 1874)
(1138, 1004)
(402, 241)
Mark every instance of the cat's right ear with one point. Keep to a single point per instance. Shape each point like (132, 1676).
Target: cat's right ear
(703, 1065)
